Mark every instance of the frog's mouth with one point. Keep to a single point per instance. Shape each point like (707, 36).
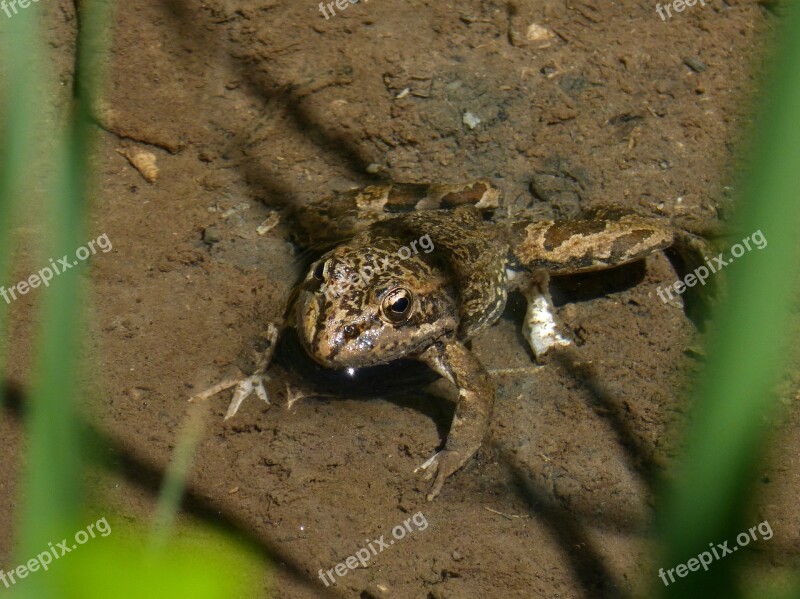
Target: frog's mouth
(321, 344)
(307, 313)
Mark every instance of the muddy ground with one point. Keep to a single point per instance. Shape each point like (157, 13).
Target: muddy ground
(254, 108)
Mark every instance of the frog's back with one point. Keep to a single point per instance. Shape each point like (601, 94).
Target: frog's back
(469, 251)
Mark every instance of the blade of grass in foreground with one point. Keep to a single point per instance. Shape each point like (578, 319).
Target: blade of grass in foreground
(117, 566)
(174, 483)
(17, 130)
(52, 488)
(727, 435)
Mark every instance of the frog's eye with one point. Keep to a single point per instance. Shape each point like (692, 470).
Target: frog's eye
(319, 271)
(397, 306)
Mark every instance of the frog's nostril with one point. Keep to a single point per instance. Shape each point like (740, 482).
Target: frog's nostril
(350, 332)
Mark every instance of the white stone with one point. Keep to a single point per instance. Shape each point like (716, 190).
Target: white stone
(537, 33)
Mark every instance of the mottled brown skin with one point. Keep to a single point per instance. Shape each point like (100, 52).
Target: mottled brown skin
(333, 220)
(452, 293)
(372, 300)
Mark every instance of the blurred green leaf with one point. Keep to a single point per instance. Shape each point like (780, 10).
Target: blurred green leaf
(19, 123)
(728, 429)
(199, 562)
(202, 564)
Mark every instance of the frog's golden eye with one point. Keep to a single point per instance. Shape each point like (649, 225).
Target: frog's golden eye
(397, 306)
(319, 271)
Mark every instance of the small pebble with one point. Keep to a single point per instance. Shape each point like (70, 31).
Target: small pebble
(696, 352)
(142, 161)
(470, 120)
(537, 33)
(549, 70)
(269, 223)
(210, 236)
(697, 65)
(238, 208)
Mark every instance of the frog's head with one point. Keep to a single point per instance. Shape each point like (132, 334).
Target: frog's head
(359, 307)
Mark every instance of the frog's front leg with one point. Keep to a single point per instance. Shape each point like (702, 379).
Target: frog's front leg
(473, 410)
(246, 386)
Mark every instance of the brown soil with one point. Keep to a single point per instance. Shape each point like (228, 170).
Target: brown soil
(270, 104)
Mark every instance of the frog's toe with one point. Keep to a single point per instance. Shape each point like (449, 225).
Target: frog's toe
(438, 467)
(244, 388)
(429, 463)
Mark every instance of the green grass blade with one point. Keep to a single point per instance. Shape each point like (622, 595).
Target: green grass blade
(52, 488)
(19, 122)
(169, 500)
(727, 434)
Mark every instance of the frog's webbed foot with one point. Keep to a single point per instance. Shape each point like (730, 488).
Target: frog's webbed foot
(540, 328)
(246, 386)
(473, 411)
(438, 467)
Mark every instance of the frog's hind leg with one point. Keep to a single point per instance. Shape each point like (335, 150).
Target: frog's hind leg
(607, 238)
(540, 328)
(330, 220)
(602, 239)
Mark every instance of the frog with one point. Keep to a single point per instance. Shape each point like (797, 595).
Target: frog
(416, 271)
